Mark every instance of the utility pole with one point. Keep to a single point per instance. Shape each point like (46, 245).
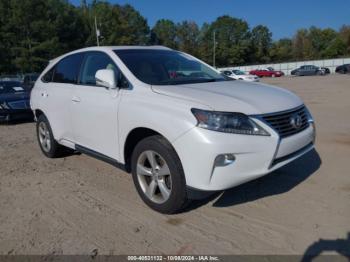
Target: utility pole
(97, 33)
(214, 47)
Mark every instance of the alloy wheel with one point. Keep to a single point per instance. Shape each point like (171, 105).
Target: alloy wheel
(154, 176)
(44, 137)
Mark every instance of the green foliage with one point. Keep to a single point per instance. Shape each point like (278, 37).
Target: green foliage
(316, 43)
(232, 41)
(344, 34)
(164, 33)
(118, 25)
(282, 50)
(335, 48)
(261, 41)
(187, 34)
(35, 31)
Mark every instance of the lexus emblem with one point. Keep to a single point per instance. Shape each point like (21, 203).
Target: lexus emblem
(296, 121)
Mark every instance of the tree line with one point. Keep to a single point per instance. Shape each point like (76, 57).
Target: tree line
(35, 31)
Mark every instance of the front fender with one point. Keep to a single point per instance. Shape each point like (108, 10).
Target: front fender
(171, 117)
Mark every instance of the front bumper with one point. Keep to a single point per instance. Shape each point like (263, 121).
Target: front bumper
(255, 156)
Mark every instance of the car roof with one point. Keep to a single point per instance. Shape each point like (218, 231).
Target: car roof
(111, 48)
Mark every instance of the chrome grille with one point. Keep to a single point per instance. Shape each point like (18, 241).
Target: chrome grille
(282, 122)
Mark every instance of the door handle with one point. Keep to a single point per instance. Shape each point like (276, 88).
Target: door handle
(76, 99)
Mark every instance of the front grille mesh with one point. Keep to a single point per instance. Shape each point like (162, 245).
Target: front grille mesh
(281, 122)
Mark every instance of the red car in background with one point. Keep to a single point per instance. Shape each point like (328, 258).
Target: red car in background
(268, 72)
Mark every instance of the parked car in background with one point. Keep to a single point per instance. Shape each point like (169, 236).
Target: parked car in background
(174, 122)
(14, 101)
(29, 80)
(326, 70)
(343, 69)
(268, 72)
(11, 78)
(240, 75)
(308, 70)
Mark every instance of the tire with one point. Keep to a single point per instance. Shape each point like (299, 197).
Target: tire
(47, 142)
(163, 191)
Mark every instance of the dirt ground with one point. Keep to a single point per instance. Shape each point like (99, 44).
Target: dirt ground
(79, 205)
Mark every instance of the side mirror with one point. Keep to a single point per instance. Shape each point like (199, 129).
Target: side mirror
(106, 78)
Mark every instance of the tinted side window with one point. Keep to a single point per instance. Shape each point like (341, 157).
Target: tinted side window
(67, 70)
(93, 62)
(48, 76)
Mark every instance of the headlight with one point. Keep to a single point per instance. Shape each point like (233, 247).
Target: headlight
(236, 123)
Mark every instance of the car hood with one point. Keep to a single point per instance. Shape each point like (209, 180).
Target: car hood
(234, 96)
(8, 97)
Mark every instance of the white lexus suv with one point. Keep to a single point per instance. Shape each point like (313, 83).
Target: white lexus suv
(179, 126)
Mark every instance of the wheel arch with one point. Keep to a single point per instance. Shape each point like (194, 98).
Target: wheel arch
(37, 113)
(133, 138)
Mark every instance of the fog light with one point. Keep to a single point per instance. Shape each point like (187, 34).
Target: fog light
(224, 160)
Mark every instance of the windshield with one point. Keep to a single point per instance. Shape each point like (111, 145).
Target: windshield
(10, 87)
(167, 67)
(238, 72)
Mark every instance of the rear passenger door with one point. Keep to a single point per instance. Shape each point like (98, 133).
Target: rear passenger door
(94, 108)
(306, 71)
(56, 92)
(313, 70)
